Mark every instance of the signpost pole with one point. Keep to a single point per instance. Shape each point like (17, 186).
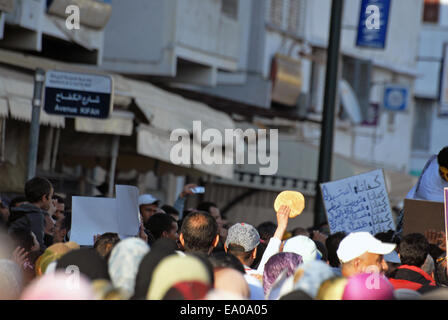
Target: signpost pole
(39, 79)
(326, 139)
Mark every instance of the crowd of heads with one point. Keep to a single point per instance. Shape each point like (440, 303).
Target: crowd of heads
(196, 254)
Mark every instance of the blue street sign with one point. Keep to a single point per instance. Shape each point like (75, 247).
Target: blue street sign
(373, 20)
(396, 97)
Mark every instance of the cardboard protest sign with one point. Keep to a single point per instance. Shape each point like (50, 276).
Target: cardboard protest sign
(92, 215)
(421, 215)
(358, 203)
(445, 198)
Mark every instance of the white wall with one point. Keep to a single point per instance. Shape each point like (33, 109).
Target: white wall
(402, 34)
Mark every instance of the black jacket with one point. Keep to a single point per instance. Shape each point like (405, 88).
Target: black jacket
(28, 217)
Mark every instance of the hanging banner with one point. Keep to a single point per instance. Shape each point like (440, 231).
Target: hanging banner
(373, 20)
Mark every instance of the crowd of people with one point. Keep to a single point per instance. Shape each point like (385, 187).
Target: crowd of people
(195, 254)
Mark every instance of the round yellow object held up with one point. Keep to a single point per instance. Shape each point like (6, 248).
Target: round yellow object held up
(293, 199)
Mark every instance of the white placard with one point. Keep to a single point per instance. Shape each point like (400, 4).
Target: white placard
(358, 203)
(92, 215)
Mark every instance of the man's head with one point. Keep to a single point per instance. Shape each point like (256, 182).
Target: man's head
(199, 232)
(171, 211)
(61, 229)
(59, 203)
(39, 191)
(413, 249)
(17, 202)
(105, 243)
(162, 225)
(242, 241)
(148, 206)
(212, 208)
(442, 160)
(4, 211)
(361, 252)
(266, 230)
(49, 224)
(332, 245)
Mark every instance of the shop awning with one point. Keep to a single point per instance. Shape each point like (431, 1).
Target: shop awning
(163, 112)
(16, 93)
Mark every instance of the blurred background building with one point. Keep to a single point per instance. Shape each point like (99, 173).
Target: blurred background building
(231, 64)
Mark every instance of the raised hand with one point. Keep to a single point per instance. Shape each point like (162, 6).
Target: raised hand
(187, 190)
(19, 256)
(282, 221)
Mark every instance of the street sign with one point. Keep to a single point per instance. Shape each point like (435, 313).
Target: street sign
(372, 26)
(78, 94)
(396, 97)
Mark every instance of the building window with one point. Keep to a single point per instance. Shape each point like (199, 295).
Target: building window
(230, 8)
(287, 14)
(422, 125)
(357, 73)
(431, 11)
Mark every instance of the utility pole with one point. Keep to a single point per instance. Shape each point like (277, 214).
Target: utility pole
(331, 78)
(39, 79)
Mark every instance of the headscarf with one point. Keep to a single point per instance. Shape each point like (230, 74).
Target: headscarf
(104, 290)
(228, 279)
(59, 286)
(124, 261)
(368, 286)
(51, 254)
(88, 261)
(303, 246)
(160, 249)
(174, 269)
(276, 265)
(332, 289)
(11, 280)
(187, 290)
(310, 276)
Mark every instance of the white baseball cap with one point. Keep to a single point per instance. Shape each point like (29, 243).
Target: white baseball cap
(147, 199)
(358, 243)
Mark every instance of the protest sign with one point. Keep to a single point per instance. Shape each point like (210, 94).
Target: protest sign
(358, 203)
(421, 215)
(92, 215)
(445, 198)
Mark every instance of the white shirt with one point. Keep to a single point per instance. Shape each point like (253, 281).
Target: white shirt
(431, 185)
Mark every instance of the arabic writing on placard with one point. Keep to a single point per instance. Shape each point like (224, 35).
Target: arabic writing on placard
(358, 203)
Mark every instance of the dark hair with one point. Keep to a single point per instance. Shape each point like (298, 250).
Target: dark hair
(158, 223)
(321, 247)
(414, 249)
(266, 230)
(66, 223)
(169, 209)
(22, 238)
(238, 251)
(13, 203)
(205, 206)
(300, 231)
(442, 157)
(221, 260)
(105, 239)
(36, 188)
(332, 245)
(59, 198)
(387, 236)
(199, 229)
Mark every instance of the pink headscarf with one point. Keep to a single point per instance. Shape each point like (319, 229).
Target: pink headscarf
(59, 286)
(368, 286)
